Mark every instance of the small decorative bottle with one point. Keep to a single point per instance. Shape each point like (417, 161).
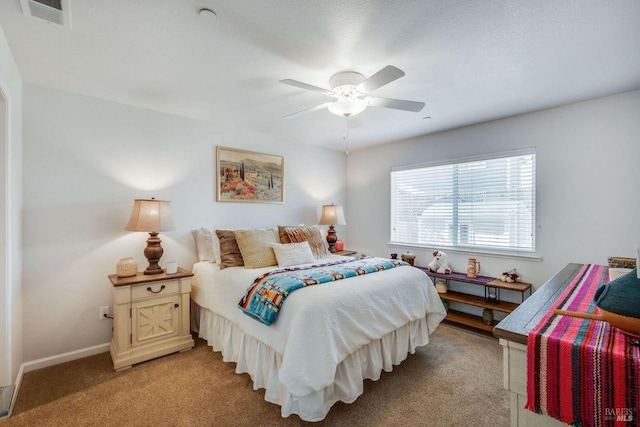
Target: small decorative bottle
(487, 316)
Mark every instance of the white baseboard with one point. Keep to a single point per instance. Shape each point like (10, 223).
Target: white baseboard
(64, 357)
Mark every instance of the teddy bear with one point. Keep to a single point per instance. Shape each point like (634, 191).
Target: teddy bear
(510, 276)
(439, 263)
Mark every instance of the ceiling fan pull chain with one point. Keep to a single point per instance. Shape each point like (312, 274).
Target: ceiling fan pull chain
(346, 133)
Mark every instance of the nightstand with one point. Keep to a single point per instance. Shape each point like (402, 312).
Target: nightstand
(346, 253)
(150, 317)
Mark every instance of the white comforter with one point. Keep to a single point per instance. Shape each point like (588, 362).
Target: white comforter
(320, 325)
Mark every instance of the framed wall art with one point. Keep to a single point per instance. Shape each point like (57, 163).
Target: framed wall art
(246, 176)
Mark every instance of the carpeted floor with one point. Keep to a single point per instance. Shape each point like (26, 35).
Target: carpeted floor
(456, 380)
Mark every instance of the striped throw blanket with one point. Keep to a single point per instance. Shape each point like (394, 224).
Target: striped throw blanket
(583, 372)
(264, 298)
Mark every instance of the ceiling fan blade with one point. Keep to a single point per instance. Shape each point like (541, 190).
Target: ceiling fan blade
(306, 86)
(308, 110)
(379, 79)
(396, 104)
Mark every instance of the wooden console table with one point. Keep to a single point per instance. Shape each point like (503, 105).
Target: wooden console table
(478, 301)
(513, 332)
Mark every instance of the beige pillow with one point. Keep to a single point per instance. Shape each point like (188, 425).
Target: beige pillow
(311, 235)
(230, 255)
(293, 253)
(204, 244)
(255, 247)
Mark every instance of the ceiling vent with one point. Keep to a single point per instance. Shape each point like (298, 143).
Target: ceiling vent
(52, 11)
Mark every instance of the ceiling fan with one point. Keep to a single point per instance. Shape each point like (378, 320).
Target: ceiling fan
(352, 90)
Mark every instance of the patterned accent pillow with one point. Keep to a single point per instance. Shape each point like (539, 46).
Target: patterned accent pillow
(255, 247)
(311, 235)
(293, 253)
(204, 244)
(230, 255)
(282, 233)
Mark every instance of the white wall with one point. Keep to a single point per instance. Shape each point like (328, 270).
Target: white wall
(86, 159)
(10, 283)
(588, 157)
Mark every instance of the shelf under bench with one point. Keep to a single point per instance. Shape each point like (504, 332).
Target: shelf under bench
(503, 306)
(468, 320)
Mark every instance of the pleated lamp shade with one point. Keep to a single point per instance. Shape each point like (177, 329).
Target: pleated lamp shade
(332, 215)
(151, 215)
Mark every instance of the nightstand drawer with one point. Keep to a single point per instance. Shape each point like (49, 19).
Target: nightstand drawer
(154, 289)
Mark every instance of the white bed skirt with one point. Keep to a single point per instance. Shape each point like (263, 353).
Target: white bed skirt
(262, 363)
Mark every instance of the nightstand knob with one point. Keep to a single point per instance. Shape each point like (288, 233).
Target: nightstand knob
(155, 292)
(176, 305)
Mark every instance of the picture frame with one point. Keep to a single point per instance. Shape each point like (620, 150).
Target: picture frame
(247, 176)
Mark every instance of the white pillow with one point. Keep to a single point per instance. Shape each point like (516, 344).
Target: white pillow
(289, 254)
(204, 244)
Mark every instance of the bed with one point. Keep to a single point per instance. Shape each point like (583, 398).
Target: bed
(327, 338)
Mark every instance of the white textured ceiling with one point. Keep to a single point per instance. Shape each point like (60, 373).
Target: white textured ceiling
(469, 61)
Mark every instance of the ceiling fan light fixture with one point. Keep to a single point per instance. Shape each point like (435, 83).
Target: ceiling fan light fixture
(352, 90)
(348, 107)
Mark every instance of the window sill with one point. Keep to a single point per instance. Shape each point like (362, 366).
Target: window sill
(496, 254)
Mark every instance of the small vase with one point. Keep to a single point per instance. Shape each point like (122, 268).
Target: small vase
(473, 268)
(487, 316)
(408, 257)
(127, 267)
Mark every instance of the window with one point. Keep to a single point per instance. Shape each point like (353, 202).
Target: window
(486, 203)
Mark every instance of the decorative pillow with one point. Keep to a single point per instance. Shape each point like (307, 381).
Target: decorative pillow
(293, 253)
(230, 255)
(255, 247)
(204, 244)
(311, 235)
(282, 232)
(620, 296)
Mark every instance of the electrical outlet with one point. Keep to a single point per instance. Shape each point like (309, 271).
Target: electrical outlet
(105, 313)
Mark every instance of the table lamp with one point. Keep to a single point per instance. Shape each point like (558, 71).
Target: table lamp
(332, 215)
(152, 216)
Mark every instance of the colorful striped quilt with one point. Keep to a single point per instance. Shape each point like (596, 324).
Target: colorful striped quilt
(583, 372)
(264, 298)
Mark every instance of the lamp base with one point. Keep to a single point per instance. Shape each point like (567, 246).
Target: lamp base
(332, 238)
(153, 252)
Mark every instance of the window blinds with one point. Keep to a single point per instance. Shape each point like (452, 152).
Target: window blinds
(482, 203)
